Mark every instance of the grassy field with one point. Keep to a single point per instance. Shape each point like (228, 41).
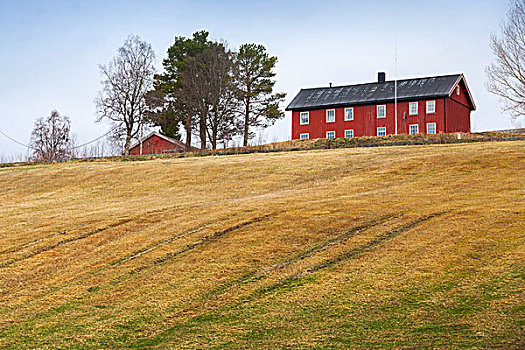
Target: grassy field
(392, 247)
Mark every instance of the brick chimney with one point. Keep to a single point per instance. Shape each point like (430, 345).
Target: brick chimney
(381, 77)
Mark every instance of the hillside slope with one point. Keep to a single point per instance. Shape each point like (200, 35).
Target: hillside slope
(419, 246)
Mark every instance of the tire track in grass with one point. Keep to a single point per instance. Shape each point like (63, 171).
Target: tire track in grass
(136, 254)
(201, 242)
(348, 255)
(261, 273)
(296, 278)
(82, 236)
(29, 244)
(65, 241)
(72, 239)
(166, 240)
(187, 248)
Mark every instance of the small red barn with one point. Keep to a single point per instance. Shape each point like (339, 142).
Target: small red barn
(156, 143)
(424, 105)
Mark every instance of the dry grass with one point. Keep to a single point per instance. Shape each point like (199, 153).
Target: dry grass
(393, 247)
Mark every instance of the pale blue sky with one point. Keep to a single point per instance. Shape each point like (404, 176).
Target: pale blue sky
(51, 49)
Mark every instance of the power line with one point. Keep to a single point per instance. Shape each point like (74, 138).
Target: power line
(98, 138)
(79, 146)
(15, 141)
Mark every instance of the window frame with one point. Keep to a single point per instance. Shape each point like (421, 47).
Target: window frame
(427, 104)
(328, 132)
(457, 90)
(349, 130)
(304, 138)
(380, 127)
(349, 109)
(435, 128)
(330, 110)
(410, 104)
(377, 111)
(410, 129)
(301, 118)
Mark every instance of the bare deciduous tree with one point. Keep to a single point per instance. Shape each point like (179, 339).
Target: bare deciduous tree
(51, 139)
(207, 88)
(219, 70)
(99, 148)
(193, 95)
(126, 80)
(507, 73)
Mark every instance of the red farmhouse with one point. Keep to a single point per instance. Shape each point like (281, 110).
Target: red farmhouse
(424, 105)
(156, 143)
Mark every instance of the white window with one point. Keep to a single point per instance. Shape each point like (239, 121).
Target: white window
(305, 118)
(330, 134)
(414, 129)
(330, 115)
(381, 131)
(412, 108)
(305, 136)
(431, 107)
(431, 128)
(381, 111)
(349, 113)
(349, 133)
(457, 90)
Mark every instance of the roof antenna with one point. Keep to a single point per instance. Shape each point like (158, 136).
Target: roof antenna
(395, 82)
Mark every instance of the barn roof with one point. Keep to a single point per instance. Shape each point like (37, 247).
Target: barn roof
(374, 93)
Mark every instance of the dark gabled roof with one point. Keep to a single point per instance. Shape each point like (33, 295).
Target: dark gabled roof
(373, 93)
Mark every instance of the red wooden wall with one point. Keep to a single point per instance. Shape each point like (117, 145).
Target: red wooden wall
(365, 121)
(153, 145)
(458, 110)
(462, 97)
(458, 117)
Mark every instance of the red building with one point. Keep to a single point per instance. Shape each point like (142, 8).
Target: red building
(156, 143)
(424, 105)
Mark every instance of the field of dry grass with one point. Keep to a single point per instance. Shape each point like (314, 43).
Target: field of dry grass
(393, 247)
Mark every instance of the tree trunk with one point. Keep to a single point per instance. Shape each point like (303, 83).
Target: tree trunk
(127, 144)
(187, 126)
(246, 124)
(215, 127)
(202, 130)
(214, 139)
